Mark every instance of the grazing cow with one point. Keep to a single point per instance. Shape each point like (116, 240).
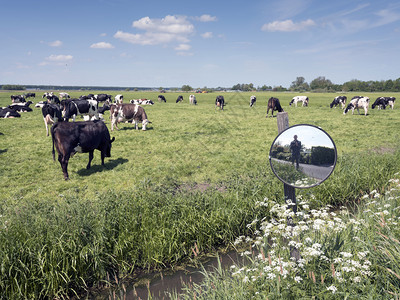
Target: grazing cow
(40, 103)
(7, 112)
(18, 98)
(28, 95)
(119, 99)
(102, 97)
(179, 99)
(83, 137)
(219, 102)
(382, 102)
(357, 103)
(87, 108)
(21, 107)
(296, 99)
(64, 95)
(339, 100)
(192, 99)
(51, 115)
(47, 94)
(128, 112)
(53, 99)
(161, 98)
(252, 100)
(274, 104)
(141, 102)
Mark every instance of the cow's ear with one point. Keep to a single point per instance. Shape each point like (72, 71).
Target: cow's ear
(112, 140)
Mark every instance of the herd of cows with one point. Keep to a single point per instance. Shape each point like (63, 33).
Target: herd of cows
(69, 138)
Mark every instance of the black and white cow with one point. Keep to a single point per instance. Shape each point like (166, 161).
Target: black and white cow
(87, 108)
(179, 99)
(357, 103)
(18, 99)
(53, 99)
(141, 101)
(87, 97)
(21, 107)
(253, 100)
(383, 102)
(51, 115)
(6, 112)
(161, 98)
(64, 95)
(192, 99)
(119, 99)
(84, 137)
(102, 97)
(220, 102)
(339, 100)
(303, 99)
(47, 94)
(274, 104)
(128, 112)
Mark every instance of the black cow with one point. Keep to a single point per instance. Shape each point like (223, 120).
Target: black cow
(161, 98)
(7, 112)
(53, 99)
(179, 99)
(85, 137)
(51, 115)
(81, 107)
(339, 100)
(219, 102)
(274, 104)
(102, 97)
(28, 95)
(87, 97)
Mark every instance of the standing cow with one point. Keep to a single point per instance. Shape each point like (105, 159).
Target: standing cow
(84, 137)
(357, 103)
(192, 99)
(51, 115)
(303, 99)
(339, 100)
(220, 102)
(128, 112)
(274, 104)
(253, 100)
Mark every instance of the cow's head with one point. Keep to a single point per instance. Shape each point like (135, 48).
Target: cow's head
(108, 148)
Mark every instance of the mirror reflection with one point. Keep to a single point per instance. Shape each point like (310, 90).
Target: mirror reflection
(303, 156)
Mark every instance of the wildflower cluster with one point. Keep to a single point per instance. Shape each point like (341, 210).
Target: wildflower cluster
(316, 236)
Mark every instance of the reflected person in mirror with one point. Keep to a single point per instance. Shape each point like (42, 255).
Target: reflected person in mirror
(295, 147)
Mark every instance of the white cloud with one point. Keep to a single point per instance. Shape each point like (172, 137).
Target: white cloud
(207, 35)
(102, 45)
(184, 53)
(158, 31)
(288, 25)
(206, 18)
(55, 44)
(59, 58)
(183, 47)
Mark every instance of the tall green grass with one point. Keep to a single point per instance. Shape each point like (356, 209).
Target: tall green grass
(193, 178)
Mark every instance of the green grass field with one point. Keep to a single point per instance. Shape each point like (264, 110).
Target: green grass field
(192, 177)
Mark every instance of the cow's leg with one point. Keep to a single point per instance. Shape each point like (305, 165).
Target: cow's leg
(90, 159)
(267, 113)
(64, 164)
(136, 124)
(47, 126)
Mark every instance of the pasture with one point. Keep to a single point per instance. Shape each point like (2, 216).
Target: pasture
(192, 178)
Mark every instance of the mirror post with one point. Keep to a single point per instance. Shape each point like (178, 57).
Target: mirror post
(289, 191)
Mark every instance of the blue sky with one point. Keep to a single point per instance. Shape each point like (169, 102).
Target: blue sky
(200, 43)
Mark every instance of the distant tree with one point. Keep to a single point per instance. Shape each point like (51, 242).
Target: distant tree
(299, 84)
(13, 87)
(321, 83)
(186, 88)
(265, 88)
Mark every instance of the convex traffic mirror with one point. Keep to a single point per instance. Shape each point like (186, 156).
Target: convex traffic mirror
(303, 156)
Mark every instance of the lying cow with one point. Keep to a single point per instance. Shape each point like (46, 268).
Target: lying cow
(64, 95)
(84, 137)
(252, 100)
(339, 100)
(7, 112)
(357, 103)
(21, 107)
(128, 112)
(274, 104)
(220, 102)
(51, 115)
(87, 108)
(141, 102)
(303, 99)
